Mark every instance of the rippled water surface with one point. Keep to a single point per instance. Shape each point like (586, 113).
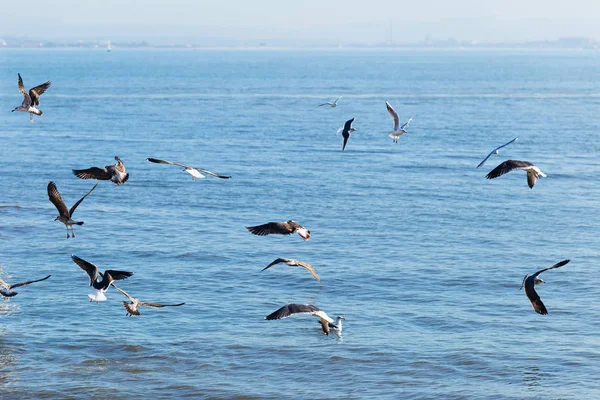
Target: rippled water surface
(421, 254)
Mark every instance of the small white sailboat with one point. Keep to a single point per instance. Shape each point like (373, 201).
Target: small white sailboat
(108, 48)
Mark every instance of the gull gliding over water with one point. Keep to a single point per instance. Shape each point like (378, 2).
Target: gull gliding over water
(345, 131)
(398, 130)
(529, 283)
(291, 309)
(280, 228)
(295, 263)
(495, 151)
(31, 99)
(115, 173)
(8, 289)
(134, 304)
(194, 172)
(533, 172)
(332, 105)
(107, 278)
(64, 213)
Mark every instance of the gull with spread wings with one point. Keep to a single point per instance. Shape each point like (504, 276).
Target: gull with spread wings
(495, 151)
(533, 172)
(332, 105)
(398, 130)
(116, 173)
(31, 99)
(280, 228)
(290, 309)
(295, 263)
(64, 213)
(8, 289)
(345, 131)
(132, 306)
(194, 172)
(529, 283)
(99, 286)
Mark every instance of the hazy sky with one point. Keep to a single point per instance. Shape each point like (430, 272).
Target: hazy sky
(308, 21)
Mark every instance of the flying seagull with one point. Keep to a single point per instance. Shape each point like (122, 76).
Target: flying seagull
(345, 131)
(194, 172)
(65, 214)
(31, 99)
(332, 105)
(290, 309)
(115, 173)
(134, 304)
(398, 130)
(529, 283)
(533, 172)
(295, 263)
(495, 151)
(280, 228)
(108, 277)
(8, 289)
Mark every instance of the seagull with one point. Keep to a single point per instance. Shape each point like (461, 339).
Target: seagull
(64, 214)
(280, 228)
(529, 283)
(31, 99)
(345, 131)
(290, 309)
(8, 291)
(332, 105)
(132, 307)
(295, 263)
(533, 172)
(194, 172)
(398, 130)
(115, 173)
(337, 326)
(495, 151)
(108, 277)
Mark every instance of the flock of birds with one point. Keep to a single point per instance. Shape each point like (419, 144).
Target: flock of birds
(117, 173)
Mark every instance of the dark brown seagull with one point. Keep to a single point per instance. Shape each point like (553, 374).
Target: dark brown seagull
(132, 306)
(115, 173)
(345, 131)
(108, 277)
(295, 263)
(280, 228)
(8, 289)
(529, 283)
(291, 309)
(533, 172)
(31, 99)
(64, 213)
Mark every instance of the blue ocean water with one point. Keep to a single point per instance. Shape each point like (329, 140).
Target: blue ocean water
(421, 254)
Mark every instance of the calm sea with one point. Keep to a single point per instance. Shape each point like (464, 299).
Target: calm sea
(421, 254)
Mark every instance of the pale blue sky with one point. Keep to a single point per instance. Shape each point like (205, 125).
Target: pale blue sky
(309, 22)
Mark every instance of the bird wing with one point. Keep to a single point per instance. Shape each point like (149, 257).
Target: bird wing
(486, 158)
(346, 136)
(115, 275)
(213, 174)
(88, 267)
(531, 179)
(119, 166)
(92, 173)
(3, 283)
(406, 124)
(324, 326)
(57, 200)
(324, 104)
(557, 265)
(72, 210)
(290, 309)
(28, 282)
(496, 149)
(26, 99)
(157, 161)
(123, 292)
(336, 100)
(278, 261)
(21, 86)
(506, 167)
(534, 298)
(37, 91)
(280, 228)
(157, 305)
(348, 125)
(394, 116)
(309, 268)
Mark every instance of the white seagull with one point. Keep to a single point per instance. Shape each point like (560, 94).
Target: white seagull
(332, 105)
(291, 309)
(100, 287)
(529, 283)
(31, 99)
(495, 151)
(398, 130)
(533, 172)
(194, 172)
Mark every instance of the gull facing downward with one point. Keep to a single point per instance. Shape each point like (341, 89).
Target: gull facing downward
(332, 105)
(295, 263)
(291, 309)
(280, 228)
(115, 173)
(65, 214)
(194, 172)
(345, 131)
(533, 172)
(31, 99)
(8, 289)
(100, 287)
(398, 130)
(529, 283)
(132, 307)
(495, 151)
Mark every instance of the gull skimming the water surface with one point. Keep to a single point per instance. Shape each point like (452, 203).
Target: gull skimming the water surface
(31, 99)
(8, 289)
(100, 287)
(495, 151)
(295, 263)
(115, 173)
(64, 213)
(280, 228)
(529, 283)
(533, 172)
(194, 172)
(345, 131)
(398, 130)
(134, 304)
(332, 105)
(337, 325)
(291, 309)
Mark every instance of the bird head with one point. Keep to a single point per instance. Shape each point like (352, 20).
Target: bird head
(339, 317)
(538, 280)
